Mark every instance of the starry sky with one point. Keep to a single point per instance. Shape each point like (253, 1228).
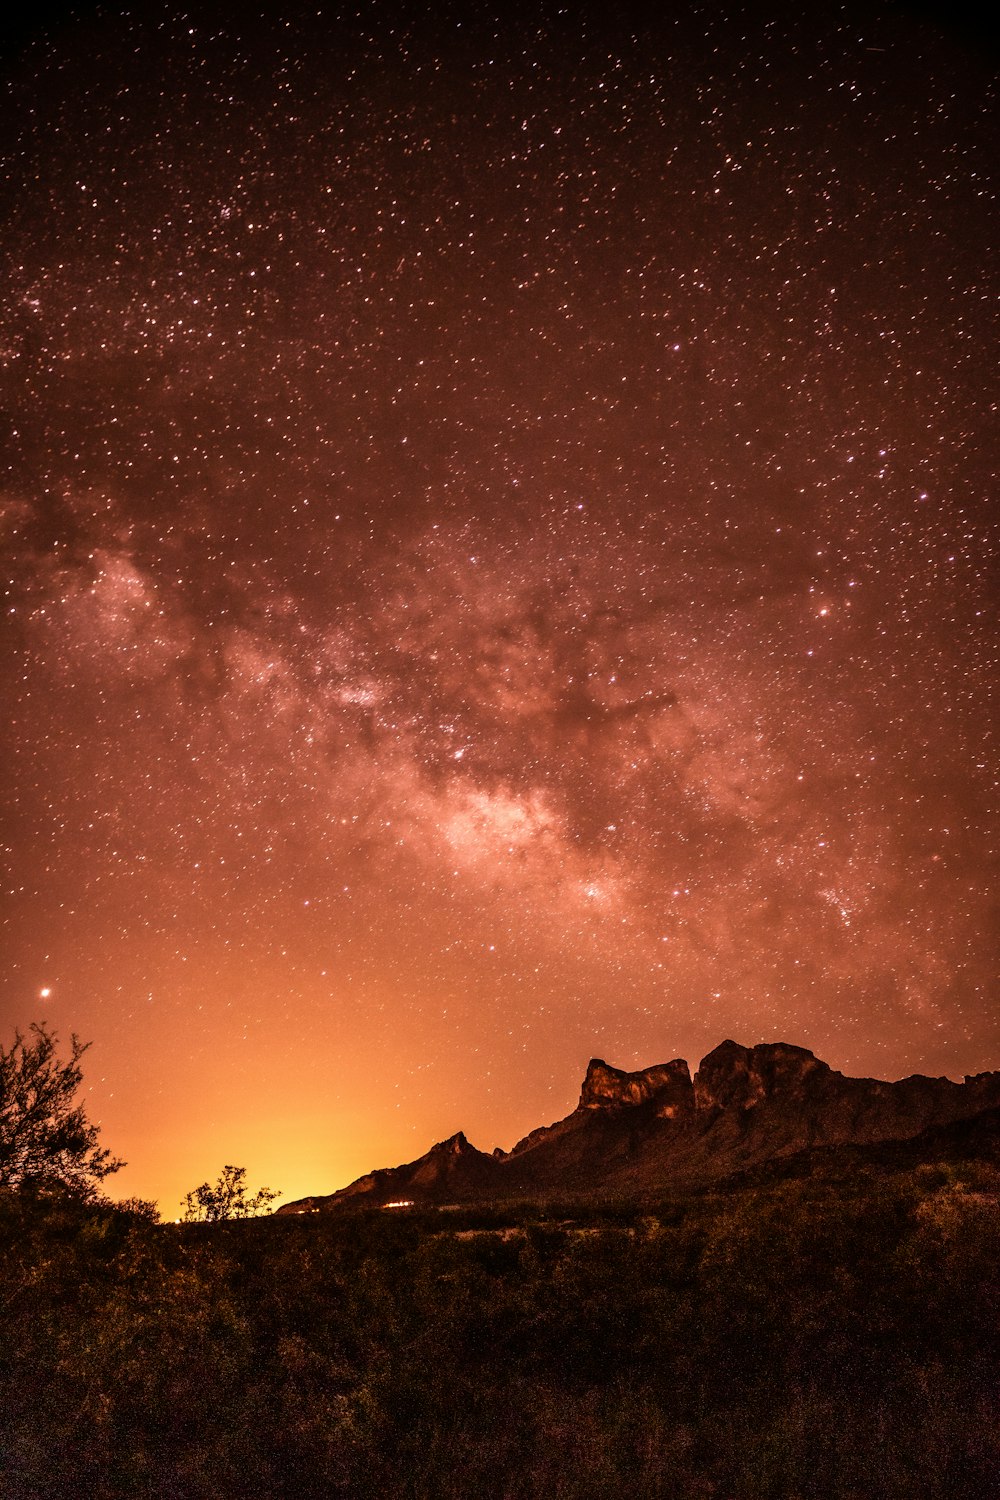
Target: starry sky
(499, 545)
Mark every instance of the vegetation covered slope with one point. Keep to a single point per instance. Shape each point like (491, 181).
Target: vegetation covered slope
(834, 1336)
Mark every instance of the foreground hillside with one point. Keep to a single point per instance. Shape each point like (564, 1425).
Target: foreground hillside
(832, 1336)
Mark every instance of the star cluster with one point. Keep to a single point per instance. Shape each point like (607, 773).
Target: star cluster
(499, 532)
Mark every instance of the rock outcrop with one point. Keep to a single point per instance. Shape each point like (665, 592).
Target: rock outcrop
(656, 1130)
(605, 1087)
(735, 1077)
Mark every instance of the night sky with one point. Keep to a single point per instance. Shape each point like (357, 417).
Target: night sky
(498, 542)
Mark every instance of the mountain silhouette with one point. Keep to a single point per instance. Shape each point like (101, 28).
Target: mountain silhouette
(747, 1111)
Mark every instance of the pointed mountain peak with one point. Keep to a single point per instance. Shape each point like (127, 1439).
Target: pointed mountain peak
(455, 1145)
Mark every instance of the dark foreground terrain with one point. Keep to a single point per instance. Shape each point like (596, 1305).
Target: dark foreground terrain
(832, 1335)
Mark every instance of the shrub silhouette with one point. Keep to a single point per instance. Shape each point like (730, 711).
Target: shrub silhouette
(226, 1199)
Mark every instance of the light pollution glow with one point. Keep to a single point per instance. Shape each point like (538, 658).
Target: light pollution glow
(499, 558)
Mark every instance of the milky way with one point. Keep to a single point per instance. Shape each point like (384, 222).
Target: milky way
(499, 528)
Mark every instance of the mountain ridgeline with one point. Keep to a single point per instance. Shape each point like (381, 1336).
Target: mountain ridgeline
(770, 1109)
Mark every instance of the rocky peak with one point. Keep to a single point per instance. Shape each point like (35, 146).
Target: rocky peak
(735, 1077)
(638, 1133)
(455, 1145)
(605, 1087)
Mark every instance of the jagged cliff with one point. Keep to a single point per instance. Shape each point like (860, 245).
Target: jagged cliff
(659, 1128)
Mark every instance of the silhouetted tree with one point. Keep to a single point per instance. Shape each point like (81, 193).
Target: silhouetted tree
(46, 1140)
(226, 1199)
